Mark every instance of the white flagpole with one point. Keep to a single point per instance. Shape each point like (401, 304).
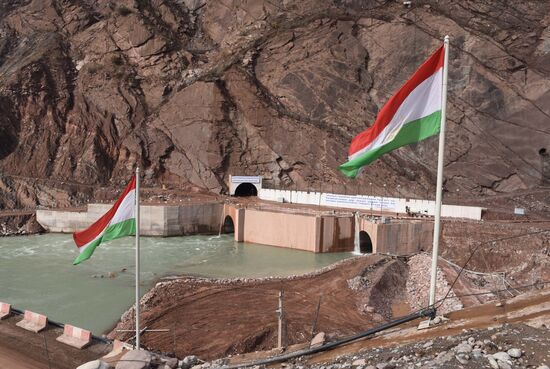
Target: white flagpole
(137, 258)
(439, 188)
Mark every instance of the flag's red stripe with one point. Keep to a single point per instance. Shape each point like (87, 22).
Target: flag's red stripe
(83, 237)
(430, 66)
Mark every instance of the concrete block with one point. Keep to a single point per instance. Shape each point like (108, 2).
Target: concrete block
(119, 349)
(75, 337)
(5, 310)
(33, 322)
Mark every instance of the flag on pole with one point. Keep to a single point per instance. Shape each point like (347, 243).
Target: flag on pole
(118, 222)
(412, 114)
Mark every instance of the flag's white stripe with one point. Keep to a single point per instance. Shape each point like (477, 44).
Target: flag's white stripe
(424, 100)
(82, 248)
(126, 210)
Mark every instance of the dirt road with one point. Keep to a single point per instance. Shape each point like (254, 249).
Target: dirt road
(16, 360)
(21, 349)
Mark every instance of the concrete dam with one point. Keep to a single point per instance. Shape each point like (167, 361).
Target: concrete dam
(314, 229)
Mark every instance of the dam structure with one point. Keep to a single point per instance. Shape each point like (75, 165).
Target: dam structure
(309, 221)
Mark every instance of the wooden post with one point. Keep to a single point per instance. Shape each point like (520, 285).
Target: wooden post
(316, 318)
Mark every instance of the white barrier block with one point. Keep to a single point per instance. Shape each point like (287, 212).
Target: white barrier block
(5, 310)
(33, 322)
(119, 349)
(75, 337)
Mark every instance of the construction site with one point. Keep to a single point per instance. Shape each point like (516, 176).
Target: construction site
(484, 267)
(297, 184)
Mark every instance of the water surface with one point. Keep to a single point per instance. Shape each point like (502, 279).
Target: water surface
(36, 272)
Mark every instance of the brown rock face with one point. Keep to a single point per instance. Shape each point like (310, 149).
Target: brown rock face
(195, 90)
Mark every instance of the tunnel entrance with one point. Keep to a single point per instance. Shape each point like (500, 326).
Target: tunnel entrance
(365, 243)
(246, 189)
(228, 225)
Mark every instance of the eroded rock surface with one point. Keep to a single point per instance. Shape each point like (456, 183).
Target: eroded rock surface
(195, 90)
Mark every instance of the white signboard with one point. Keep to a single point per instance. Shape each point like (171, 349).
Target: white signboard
(361, 202)
(246, 179)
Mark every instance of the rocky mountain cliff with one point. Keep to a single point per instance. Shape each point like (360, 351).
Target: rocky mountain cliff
(195, 90)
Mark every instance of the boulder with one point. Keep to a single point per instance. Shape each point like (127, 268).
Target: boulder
(318, 340)
(171, 363)
(503, 356)
(96, 364)
(190, 361)
(135, 359)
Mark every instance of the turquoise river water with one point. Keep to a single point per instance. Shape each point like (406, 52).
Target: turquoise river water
(36, 272)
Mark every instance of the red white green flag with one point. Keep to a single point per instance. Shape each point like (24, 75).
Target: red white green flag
(118, 222)
(412, 114)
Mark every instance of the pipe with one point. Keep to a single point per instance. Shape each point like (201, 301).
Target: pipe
(428, 312)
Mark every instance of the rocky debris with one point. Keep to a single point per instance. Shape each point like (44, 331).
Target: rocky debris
(418, 285)
(144, 359)
(16, 225)
(471, 349)
(190, 361)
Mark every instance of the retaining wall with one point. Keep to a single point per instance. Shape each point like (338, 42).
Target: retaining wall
(388, 204)
(399, 238)
(155, 220)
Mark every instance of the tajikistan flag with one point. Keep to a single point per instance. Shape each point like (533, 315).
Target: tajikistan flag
(411, 115)
(119, 221)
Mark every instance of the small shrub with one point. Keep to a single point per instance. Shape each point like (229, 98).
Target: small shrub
(93, 68)
(117, 60)
(124, 10)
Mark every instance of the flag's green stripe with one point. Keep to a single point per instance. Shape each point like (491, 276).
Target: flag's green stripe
(121, 229)
(411, 132)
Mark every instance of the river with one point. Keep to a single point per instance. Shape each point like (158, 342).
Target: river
(36, 272)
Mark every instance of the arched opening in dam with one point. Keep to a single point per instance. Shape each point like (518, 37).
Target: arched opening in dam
(228, 225)
(365, 243)
(246, 189)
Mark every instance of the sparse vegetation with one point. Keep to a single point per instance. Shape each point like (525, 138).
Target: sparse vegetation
(93, 68)
(117, 60)
(124, 10)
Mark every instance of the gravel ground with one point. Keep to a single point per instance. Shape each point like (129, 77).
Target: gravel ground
(418, 285)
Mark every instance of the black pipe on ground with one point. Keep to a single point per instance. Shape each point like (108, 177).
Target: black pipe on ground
(428, 312)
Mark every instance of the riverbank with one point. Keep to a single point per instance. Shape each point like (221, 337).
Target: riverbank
(34, 271)
(213, 318)
(18, 223)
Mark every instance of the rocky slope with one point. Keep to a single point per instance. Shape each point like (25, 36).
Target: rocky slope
(195, 90)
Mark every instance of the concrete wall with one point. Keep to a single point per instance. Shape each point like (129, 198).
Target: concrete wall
(155, 220)
(399, 238)
(391, 204)
(337, 234)
(309, 232)
(62, 221)
(293, 231)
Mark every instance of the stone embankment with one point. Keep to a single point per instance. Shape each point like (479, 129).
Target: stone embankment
(19, 223)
